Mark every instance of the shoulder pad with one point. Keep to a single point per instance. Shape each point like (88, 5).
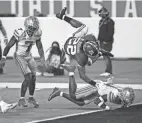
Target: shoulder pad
(18, 32)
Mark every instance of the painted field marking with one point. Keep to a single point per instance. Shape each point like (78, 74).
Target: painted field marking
(61, 85)
(75, 114)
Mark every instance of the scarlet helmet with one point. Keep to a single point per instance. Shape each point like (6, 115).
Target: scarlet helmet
(31, 25)
(90, 48)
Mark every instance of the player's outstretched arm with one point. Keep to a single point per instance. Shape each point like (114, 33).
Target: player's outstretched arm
(4, 33)
(40, 51)
(10, 44)
(83, 76)
(6, 50)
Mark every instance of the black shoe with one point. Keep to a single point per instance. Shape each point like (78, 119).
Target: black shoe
(55, 93)
(33, 101)
(22, 102)
(61, 13)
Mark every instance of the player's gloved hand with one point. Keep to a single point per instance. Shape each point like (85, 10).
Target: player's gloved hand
(2, 62)
(5, 40)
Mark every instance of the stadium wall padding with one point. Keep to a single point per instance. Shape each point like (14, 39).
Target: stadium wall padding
(127, 38)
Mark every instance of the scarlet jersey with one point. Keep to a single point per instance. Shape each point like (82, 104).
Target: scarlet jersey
(24, 42)
(111, 92)
(73, 46)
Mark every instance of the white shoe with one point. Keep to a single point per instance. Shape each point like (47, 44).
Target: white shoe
(38, 74)
(106, 74)
(6, 107)
(48, 74)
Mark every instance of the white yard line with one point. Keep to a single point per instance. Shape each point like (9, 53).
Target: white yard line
(71, 115)
(65, 116)
(59, 85)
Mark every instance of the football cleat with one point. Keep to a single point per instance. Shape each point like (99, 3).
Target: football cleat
(61, 13)
(33, 101)
(22, 102)
(6, 107)
(69, 68)
(55, 93)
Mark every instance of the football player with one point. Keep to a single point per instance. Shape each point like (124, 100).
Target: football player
(5, 107)
(4, 33)
(102, 93)
(81, 46)
(24, 39)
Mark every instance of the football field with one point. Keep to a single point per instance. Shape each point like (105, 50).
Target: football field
(59, 110)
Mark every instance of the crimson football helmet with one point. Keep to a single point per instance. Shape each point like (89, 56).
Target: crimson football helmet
(91, 48)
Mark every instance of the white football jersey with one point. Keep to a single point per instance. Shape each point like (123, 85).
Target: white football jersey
(25, 43)
(111, 92)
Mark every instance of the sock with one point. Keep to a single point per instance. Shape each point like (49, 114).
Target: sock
(30, 96)
(61, 93)
(67, 19)
(71, 73)
(22, 97)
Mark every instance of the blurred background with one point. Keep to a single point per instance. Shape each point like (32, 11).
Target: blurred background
(127, 15)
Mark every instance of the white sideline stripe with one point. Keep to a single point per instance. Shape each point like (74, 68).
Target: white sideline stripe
(60, 85)
(75, 114)
(65, 116)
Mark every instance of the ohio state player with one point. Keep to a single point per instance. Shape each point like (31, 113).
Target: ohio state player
(24, 40)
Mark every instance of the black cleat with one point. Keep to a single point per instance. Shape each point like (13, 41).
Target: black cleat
(69, 68)
(61, 13)
(33, 101)
(22, 102)
(55, 93)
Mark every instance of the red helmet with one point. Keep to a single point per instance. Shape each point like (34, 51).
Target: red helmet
(90, 48)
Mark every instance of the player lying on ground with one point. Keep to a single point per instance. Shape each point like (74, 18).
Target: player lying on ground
(81, 46)
(5, 106)
(25, 38)
(102, 93)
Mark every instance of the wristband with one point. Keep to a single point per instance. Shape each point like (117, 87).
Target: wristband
(92, 83)
(71, 73)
